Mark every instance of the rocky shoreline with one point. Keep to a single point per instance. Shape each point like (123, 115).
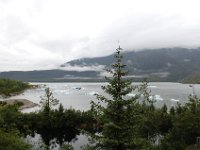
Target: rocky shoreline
(25, 103)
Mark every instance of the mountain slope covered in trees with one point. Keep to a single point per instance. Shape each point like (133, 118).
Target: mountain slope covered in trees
(166, 64)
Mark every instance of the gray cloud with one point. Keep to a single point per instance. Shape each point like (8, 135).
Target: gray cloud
(39, 34)
(14, 30)
(154, 31)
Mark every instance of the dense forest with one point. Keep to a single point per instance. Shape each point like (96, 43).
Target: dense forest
(121, 124)
(10, 87)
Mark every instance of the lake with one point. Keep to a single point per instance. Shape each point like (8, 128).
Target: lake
(79, 96)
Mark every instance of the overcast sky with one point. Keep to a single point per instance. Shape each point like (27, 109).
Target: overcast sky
(42, 34)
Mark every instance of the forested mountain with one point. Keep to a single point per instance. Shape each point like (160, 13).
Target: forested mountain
(166, 64)
(49, 75)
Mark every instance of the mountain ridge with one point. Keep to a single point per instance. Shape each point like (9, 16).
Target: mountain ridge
(165, 64)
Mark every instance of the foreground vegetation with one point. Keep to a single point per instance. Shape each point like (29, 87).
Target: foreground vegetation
(122, 124)
(10, 87)
(150, 128)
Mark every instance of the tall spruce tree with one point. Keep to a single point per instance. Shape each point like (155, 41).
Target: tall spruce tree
(119, 117)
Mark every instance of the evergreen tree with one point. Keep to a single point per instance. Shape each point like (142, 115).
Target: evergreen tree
(48, 100)
(119, 117)
(12, 141)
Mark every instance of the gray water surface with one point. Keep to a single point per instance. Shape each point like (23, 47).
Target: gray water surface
(79, 95)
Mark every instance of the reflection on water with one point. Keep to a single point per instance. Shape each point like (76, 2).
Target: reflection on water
(77, 143)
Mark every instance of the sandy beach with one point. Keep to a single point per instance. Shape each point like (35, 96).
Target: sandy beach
(26, 103)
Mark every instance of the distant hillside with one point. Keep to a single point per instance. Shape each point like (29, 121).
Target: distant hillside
(167, 64)
(194, 78)
(49, 75)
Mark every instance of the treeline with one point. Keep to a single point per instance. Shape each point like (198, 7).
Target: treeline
(10, 87)
(153, 128)
(55, 126)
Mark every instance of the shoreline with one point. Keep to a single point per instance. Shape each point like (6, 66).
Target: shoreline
(25, 103)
